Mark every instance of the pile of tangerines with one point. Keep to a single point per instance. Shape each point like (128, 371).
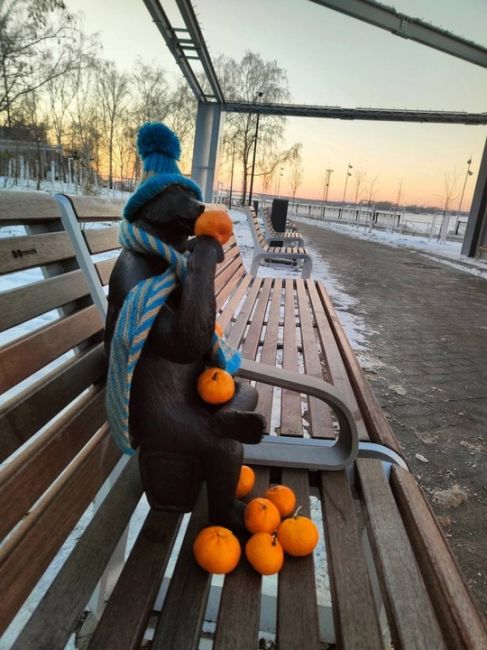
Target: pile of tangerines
(273, 531)
(275, 525)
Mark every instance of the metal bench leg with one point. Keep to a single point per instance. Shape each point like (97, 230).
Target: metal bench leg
(307, 268)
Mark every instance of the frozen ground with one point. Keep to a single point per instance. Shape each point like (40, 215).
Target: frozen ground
(449, 252)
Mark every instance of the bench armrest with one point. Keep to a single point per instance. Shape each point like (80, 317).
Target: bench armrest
(283, 450)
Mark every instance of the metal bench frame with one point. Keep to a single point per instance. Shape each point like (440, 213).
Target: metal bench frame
(274, 257)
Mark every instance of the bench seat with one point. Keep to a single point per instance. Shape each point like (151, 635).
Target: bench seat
(392, 575)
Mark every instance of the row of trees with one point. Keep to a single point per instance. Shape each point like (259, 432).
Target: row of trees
(55, 85)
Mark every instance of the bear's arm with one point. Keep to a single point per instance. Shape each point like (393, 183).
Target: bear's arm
(183, 330)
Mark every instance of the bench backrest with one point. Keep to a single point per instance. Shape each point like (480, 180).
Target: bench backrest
(52, 419)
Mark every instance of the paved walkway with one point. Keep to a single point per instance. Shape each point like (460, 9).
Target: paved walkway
(429, 343)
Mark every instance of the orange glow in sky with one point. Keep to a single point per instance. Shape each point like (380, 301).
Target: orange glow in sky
(334, 60)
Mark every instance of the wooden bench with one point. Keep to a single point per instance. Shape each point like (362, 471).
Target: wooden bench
(275, 255)
(392, 575)
(288, 237)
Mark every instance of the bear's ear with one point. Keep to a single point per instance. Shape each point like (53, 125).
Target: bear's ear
(174, 202)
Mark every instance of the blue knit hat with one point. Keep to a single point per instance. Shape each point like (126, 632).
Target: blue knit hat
(159, 149)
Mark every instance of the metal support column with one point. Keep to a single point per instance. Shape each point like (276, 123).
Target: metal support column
(477, 220)
(206, 146)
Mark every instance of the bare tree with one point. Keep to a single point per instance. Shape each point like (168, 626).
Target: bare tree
(450, 193)
(358, 179)
(113, 91)
(296, 173)
(151, 94)
(244, 81)
(37, 40)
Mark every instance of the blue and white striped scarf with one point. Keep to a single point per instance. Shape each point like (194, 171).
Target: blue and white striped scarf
(138, 313)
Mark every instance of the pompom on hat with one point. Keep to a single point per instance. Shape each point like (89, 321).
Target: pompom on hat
(159, 149)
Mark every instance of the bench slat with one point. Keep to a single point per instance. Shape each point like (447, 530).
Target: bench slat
(239, 613)
(291, 418)
(25, 356)
(27, 207)
(104, 269)
(100, 240)
(31, 547)
(297, 608)
(226, 316)
(125, 619)
(24, 303)
(18, 253)
(181, 619)
(269, 351)
(26, 414)
(59, 611)
(244, 314)
(27, 477)
(461, 624)
(352, 596)
(95, 208)
(319, 413)
(411, 618)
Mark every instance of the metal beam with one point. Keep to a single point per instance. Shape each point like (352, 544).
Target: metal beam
(477, 220)
(196, 36)
(187, 44)
(377, 114)
(415, 29)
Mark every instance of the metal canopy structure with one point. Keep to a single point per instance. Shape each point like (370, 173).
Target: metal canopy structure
(187, 45)
(414, 29)
(376, 114)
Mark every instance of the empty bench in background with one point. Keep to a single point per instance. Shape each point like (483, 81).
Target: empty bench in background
(289, 237)
(403, 585)
(277, 256)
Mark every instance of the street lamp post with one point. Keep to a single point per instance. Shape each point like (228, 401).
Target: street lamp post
(259, 94)
(467, 174)
(349, 173)
(231, 176)
(329, 172)
(281, 171)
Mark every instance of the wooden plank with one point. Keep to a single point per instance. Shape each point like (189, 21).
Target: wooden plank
(18, 253)
(291, 418)
(95, 208)
(31, 473)
(226, 316)
(319, 413)
(100, 240)
(24, 356)
(239, 613)
(228, 275)
(411, 617)
(104, 269)
(59, 611)
(244, 314)
(254, 334)
(179, 626)
(377, 426)
(297, 608)
(28, 551)
(269, 351)
(27, 207)
(27, 413)
(354, 612)
(29, 301)
(231, 286)
(125, 619)
(334, 364)
(459, 619)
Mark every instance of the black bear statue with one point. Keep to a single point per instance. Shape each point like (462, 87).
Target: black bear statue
(181, 440)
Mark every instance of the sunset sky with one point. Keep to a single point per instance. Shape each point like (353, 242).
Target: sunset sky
(332, 59)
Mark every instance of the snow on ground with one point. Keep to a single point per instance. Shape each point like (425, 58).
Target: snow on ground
(448, 252)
